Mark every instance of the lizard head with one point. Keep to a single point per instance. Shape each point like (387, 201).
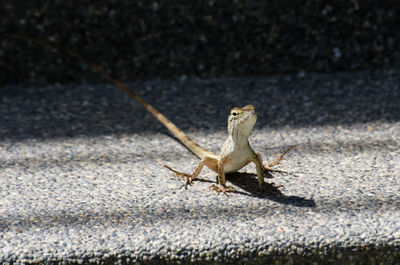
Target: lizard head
(241, 121)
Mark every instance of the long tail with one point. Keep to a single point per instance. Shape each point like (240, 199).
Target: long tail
(178, 133)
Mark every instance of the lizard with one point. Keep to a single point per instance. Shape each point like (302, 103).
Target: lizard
(235, 153)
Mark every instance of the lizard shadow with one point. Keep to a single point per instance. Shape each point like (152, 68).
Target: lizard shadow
(248, 182)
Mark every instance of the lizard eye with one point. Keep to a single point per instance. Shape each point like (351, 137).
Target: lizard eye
(234, 113)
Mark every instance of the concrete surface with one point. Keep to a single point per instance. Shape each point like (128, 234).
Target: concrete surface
(82, 177)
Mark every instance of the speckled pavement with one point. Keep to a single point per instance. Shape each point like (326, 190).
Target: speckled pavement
(82, 177)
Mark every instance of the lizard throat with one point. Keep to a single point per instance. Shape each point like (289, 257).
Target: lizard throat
(240, 130)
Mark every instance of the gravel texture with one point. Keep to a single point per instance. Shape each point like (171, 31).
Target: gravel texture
(82, 177)
(150, 39)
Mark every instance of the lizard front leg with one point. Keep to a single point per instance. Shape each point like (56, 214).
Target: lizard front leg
(212, 163)
(256, 159)
(221, 178)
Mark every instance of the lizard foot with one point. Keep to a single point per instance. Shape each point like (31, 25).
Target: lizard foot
(223, 189)
(189, 178)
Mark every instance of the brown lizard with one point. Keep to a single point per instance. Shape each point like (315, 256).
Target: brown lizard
(235, 152)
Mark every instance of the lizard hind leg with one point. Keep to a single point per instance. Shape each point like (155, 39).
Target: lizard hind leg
(280, 158)
(188, 177)
(208, 161)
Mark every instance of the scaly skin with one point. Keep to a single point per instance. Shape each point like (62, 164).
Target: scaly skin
(235, 153)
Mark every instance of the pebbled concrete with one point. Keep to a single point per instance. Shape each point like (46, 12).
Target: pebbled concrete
(81, 176)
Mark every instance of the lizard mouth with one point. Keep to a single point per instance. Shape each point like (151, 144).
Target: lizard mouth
(251, 115)
(241, 121)
(245, 125)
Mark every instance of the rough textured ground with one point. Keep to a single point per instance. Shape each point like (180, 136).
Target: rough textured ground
(82, 177)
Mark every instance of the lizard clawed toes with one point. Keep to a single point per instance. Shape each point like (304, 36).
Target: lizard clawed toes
(189, 181)
(189, 178)
(223, 189)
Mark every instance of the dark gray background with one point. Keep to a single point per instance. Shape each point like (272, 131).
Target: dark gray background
(141, 40)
